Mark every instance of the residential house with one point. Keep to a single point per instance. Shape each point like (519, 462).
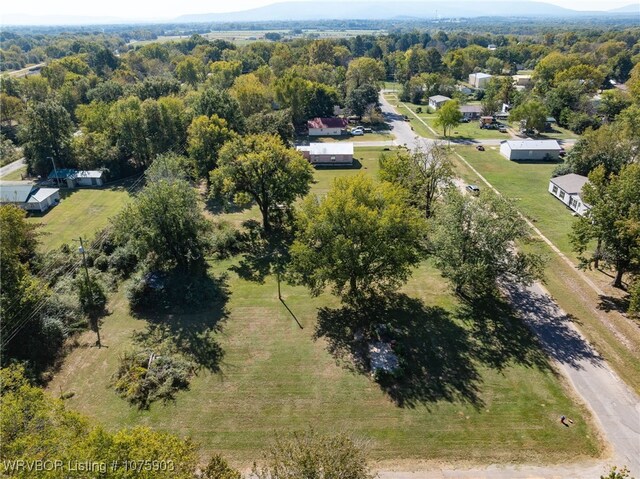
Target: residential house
(471, 112)
(437, 101)
(72, 178)
(568, 188)
(521, 80)
(327, 126)
(479, 80)
(533, 150)
(328, 153)
(28, 196)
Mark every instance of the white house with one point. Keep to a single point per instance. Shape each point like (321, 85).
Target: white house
(28, 196)
(479, 80)
(534, 150)
(567, 188)
(437, 101)
(327, 126)
(328, 153)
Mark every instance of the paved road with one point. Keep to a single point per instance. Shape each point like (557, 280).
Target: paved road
(615, 408)
(405, 135)
(11, 167)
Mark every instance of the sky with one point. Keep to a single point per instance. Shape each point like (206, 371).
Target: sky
(170, 8)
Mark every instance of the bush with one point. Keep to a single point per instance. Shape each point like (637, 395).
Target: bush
(562, 169)
(146, 375)
(226, 240)
(101, 263)
(123, 261)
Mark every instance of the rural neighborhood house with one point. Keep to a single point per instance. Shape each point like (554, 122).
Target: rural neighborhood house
(437, 101)
(328, 153)
(27, 196)
(567, 188)
(75, 178)
(327, 126)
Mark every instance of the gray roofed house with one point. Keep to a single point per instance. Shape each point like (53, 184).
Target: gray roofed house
(568, 189)
(471, 112)
(328, 153)
(28, 196)
(436, 101)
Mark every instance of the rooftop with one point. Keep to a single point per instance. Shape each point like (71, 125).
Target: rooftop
(41, 194)
(482, 75)
(534, 145)
(15, 191)
(471, 108)
(337, 148)
(327, 123)
(65, 173)
(570, 183)
(439, 98)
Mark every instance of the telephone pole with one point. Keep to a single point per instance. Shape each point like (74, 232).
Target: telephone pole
(86, 272)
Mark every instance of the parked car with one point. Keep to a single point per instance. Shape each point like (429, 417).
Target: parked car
(473, 189)
(464, 120)
(357, 132)
(502, 129)
(480, 148)
(368, 130)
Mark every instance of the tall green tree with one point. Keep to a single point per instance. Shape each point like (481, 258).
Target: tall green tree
(614, 219)
(46, 135)
(261, 168)
(448, 116)
(206, 137)
(190, 70)
(361, 239)
(165, 226)
(364, 71)
(472, 242)
(360, 98)
(425, 173)
(213, 101)
(533, 113)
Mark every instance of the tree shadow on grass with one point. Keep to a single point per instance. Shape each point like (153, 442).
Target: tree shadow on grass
(552, 327)
(191, 334)
(262, 254)
(434, 352)
(500, 338)
(611, 303)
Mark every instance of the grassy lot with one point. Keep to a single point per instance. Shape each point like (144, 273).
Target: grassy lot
(478, 388)
(527, 185)
(81, 212)
(16, 175)
(467, 131)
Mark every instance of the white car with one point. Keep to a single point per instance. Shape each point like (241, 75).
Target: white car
(357, 132)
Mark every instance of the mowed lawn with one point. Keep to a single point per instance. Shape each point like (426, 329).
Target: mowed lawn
(81, 212)
(485, 393)
(527, 185)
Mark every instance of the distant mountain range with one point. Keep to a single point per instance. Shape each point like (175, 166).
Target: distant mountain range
(336, 10)
(385, 10)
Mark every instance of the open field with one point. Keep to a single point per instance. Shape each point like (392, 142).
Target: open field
(466, 131)
(81, 212)
(478, 388)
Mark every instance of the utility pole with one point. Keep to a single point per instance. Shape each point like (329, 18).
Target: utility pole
(55, 170)
(86, 272)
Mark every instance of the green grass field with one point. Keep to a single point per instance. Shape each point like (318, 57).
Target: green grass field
(16, 175)
(81, 212)
(526, 184)
(478, 389)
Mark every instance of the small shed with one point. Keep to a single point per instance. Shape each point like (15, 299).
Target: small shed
(533, 150)
(41, 199)
(568, 188)
(328, 153)
(327, 126)
(437, 101)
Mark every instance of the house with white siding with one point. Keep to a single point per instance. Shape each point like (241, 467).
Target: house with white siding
(532, 150)
(28, 196)
(338, 153)
(568, 188)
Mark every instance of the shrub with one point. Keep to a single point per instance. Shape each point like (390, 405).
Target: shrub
(123, 261)
(226, 240)
(146, 375)
(562, 169)
(101, 263)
